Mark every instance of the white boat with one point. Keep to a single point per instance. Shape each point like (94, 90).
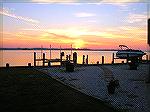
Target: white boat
(129, 53)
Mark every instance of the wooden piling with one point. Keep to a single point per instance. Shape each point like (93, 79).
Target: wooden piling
(97, 62)
(43, 59)
(50, 53)
(113, 58)
(102, 59)
(87, 59)
(61, 56)
(7, 65)
(49, 63)
(75, 58)
(83, 62)
(34, 58)
(69, 57)
(29, 64)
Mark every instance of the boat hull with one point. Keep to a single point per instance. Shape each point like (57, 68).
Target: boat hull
(129, 54)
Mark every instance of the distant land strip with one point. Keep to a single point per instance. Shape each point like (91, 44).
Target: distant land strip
(59, 49)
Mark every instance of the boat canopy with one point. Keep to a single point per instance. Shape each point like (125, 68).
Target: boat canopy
(123, 46)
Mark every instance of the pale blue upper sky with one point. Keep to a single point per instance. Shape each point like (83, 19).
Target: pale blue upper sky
(75, 0)
(51, 15)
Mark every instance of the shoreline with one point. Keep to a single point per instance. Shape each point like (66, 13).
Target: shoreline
(78, 65)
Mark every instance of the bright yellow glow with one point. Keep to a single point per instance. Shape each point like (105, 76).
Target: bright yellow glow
(78, 43)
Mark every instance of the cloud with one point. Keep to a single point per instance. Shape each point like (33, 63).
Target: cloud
(75, 1)
(84, 14)
(123, 1)
(7, 12)
(134, 18)
(53, 1)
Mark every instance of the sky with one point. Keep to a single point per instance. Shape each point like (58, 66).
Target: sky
(58, 1)
(84, 25)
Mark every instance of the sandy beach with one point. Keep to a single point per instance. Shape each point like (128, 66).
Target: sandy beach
(132, 95)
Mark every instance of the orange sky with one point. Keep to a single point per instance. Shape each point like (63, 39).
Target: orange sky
(82, 25)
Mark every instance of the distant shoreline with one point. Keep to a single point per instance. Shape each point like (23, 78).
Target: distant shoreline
(82, 49)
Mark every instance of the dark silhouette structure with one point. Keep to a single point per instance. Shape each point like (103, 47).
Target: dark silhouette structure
(148, 31)
(148, 41)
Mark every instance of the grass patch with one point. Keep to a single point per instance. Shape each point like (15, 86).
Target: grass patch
(27, 90)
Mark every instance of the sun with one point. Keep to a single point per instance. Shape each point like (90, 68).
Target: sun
(78, 43)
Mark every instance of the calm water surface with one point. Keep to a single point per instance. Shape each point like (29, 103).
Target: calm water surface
(23, 57)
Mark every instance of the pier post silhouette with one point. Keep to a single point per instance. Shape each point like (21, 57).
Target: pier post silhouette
(61, 56)
(7, 65)
(113, 55)
(148, 41)
(102, 59)
(29, 64)
(49, 63)
(75, 58)
(69, 56)
(83, 59)
(87, 59)
(34, 58)
(43, 59)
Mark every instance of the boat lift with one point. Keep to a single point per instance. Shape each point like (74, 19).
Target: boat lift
(132, 56)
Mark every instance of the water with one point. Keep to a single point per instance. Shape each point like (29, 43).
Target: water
(23, 57)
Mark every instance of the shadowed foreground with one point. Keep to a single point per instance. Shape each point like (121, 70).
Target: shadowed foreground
(25, 90)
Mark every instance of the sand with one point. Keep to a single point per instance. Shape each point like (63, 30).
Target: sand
(132, 95)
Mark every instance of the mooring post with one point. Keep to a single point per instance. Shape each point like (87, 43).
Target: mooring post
(97, 62)
(29, 64)
(43, 59)
(49, 63)
(69, 57)
(7, 65)
(87, 59)
(102, 59)
(75, 58)
(61, 56)
(34, 58)
(83, 59)
(113, 58)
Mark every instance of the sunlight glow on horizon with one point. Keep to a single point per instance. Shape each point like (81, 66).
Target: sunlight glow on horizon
(83, 26)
